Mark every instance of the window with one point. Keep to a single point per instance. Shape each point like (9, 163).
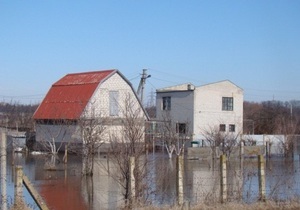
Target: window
(181, 128)
(231, 128)
(113, 103)
(222, 127)
(166, 103)
(227, 103)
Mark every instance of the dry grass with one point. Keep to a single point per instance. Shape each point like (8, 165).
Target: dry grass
(269, 205)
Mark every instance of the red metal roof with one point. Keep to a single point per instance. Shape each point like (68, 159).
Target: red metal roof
(68, 97)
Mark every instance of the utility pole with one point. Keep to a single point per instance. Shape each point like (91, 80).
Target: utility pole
(141, 87)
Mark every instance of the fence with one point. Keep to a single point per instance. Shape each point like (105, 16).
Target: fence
(206, 180)
(20, 179)
(249, 180)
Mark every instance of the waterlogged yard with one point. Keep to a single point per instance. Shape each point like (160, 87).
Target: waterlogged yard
(65, 188)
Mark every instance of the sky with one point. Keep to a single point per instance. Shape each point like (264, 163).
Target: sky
(254, 44)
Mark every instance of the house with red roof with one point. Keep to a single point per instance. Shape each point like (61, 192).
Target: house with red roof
(89, 95)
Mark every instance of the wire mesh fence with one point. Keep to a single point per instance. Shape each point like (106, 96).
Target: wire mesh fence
(202, 180)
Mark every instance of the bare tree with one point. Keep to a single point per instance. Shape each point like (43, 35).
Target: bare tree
(92, 131)
(52, 136)
(127, 141)
(287, 126)
(225, 141)
(175, 134)
(266, 117)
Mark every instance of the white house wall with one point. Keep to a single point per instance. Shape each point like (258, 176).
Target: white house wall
(208, 107)
(181, 107)
(99, 102)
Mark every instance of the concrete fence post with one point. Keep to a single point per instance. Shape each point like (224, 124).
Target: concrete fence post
(147, 149)
(65, 158)
(35, 195)
(131, 179)
(19, 202)
(268, 149)
(242, 149)
(179, 179)
(153, 144)
(223, 179)
(3, 171)
(107, 161)
(241, 154)
(261, 178)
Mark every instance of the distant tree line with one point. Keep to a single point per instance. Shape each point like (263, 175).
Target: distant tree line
(272, 117)
(14, 115)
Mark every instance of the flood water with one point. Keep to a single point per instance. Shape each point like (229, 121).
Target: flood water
(65, 188)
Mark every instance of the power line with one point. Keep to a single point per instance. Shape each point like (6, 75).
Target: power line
(21, 96)
(179, 76)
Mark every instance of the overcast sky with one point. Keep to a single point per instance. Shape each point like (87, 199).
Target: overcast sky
(254, 44)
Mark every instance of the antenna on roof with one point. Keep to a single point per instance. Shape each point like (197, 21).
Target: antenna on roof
(140, 91)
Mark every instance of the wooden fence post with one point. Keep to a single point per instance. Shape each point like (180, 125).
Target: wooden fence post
(179, 179)
(3, 171)
(223, 179)
(131, 179)
(261, 178)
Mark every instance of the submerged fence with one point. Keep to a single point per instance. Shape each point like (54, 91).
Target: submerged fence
(203, 180)
(20, 180)
(250, 180)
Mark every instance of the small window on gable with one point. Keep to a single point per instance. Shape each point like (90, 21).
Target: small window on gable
(113, 103)
(231, 128)
(227, 103)
(222, 127)
(166, 103)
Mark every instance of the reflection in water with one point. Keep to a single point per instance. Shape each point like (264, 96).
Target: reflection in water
(101, 190)
(63, 194)
(65, 188)
(165, 180)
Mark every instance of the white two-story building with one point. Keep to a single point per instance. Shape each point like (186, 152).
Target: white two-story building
(216, 106)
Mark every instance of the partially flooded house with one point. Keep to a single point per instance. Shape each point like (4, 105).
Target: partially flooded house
(197, 110)
(81, 106)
